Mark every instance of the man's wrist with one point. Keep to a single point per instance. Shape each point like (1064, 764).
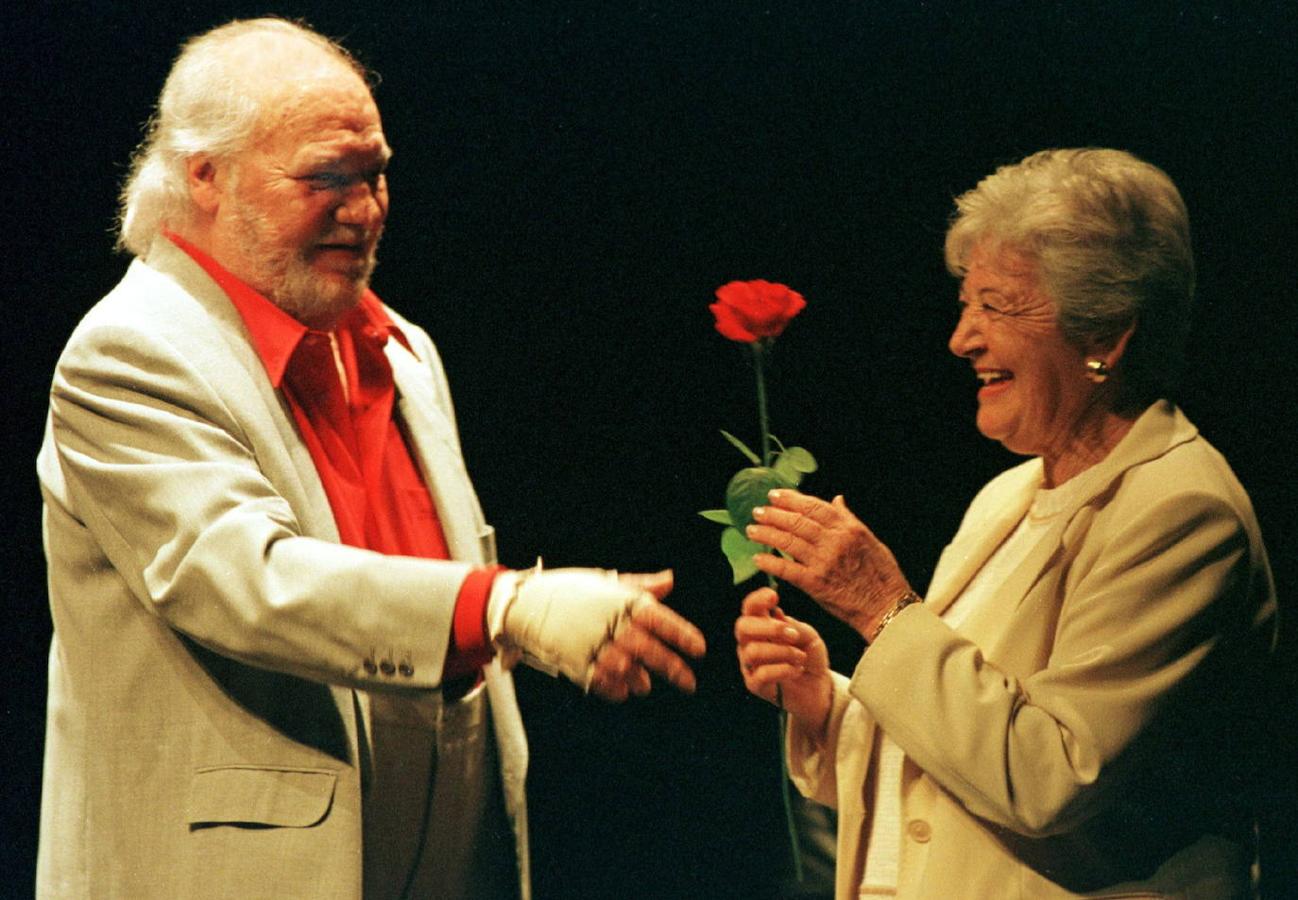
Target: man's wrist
(504, 591)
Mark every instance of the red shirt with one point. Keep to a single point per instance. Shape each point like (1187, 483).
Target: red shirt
(340, 389)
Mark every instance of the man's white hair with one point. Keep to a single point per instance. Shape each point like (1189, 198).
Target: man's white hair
(209, 105)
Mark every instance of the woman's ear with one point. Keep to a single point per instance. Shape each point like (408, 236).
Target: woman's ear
(1113, 354)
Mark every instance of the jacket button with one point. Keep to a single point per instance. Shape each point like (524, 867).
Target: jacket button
(919, 830)
(369, 666)
(386, 667)
(406, 670)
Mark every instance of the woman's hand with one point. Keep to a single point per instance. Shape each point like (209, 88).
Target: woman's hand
(831, 556)
(777, 650)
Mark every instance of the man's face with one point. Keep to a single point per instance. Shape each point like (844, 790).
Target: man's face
(303, 208)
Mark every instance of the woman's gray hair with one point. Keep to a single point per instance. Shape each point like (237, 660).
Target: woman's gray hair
(209, 105)
(1110, 237)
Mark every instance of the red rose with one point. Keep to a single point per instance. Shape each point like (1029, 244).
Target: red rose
(750, 310)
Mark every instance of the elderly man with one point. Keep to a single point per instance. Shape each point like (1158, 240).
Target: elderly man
(281, 652)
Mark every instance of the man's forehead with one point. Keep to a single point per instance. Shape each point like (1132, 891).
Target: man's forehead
(322, 117)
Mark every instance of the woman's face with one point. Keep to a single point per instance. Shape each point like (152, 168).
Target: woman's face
(1034, 396)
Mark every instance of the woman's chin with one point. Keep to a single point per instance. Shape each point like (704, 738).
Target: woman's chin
(996, 428)
(990, 425)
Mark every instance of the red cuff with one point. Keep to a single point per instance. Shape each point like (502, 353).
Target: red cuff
(470, 648)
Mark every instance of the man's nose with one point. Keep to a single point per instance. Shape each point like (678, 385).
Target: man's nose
(364, 205)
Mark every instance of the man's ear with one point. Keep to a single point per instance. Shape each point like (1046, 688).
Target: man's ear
(204, 187)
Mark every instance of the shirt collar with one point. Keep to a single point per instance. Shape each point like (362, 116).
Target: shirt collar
(274, 333)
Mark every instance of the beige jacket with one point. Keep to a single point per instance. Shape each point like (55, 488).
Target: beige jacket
(214, 645)
(1089, 744)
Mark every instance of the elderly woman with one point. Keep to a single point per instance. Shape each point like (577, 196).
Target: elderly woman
(1059, 716)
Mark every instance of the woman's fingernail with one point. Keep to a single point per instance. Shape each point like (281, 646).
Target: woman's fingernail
(759, 512)
(791, 633)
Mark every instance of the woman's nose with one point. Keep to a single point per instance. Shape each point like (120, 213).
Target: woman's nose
(967, 338)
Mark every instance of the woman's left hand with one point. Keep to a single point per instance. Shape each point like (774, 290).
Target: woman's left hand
(831, 556)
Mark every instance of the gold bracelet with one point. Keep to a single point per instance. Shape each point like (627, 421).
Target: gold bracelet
(906, 599)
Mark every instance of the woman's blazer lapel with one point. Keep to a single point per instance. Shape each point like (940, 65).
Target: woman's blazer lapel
(990, 519)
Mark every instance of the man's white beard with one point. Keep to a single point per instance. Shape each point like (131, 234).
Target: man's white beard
(286, 278)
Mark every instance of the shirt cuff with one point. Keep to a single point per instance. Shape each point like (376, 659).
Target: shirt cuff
(470, 647)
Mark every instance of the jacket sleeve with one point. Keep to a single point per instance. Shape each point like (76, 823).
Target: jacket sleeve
(1143, 608)
(813, 763)
(152, 459)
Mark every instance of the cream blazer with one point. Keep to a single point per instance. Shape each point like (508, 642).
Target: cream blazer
(214, 645)
(1089, 740)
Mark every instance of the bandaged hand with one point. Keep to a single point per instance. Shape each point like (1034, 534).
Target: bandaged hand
(604, 632)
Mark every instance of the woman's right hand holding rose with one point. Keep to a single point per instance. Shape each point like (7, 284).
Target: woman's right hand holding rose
(775, 649)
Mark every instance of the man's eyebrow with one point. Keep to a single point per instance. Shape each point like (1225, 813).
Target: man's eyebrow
(327, 160)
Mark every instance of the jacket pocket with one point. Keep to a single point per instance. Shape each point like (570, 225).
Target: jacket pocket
(260, 796)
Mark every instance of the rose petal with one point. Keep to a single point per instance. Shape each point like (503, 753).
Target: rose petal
(729, 325)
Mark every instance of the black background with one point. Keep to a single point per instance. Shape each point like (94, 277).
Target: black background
(571, 182)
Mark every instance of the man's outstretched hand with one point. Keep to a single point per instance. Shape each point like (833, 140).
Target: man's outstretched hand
(607, 633)
(647, 642)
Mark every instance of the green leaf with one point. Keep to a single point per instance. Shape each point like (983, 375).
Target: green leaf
(749, 488)
(739, 550)
(716, 515)
(786, 471)
(794, 462)
(800, 458)
(742, 448)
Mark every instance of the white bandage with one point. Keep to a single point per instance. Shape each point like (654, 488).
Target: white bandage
(559, 620)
